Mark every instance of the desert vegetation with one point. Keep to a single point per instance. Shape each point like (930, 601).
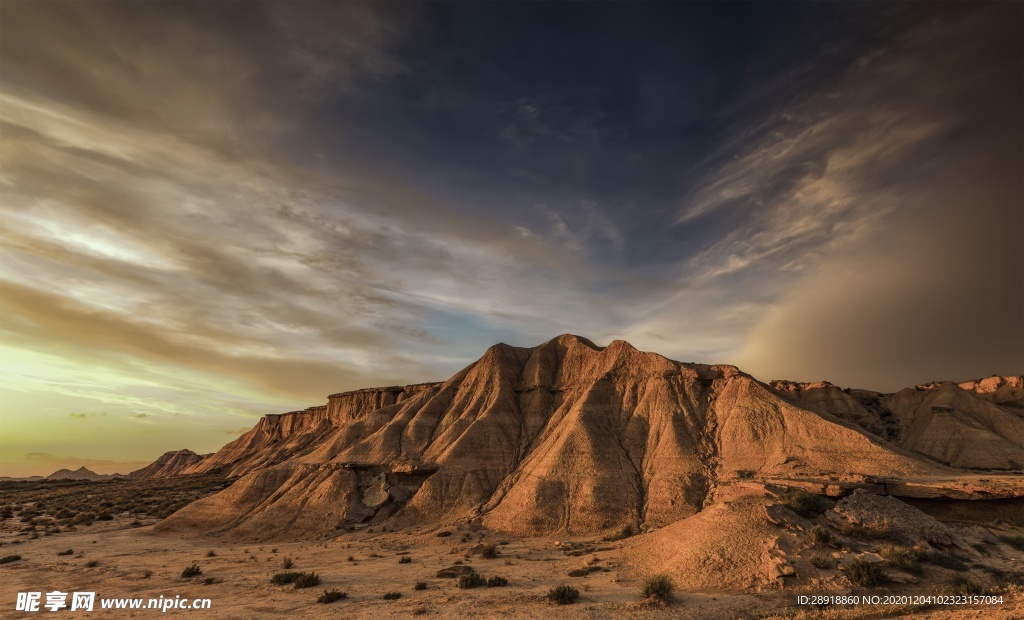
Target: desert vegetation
(64, 505)
(563, 595)
(329, 596)
(659, 587)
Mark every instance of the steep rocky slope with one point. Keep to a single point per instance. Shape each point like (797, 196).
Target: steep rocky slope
(562, 437)
(169, 464)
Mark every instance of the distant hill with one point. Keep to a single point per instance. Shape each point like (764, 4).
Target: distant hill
(82, 473)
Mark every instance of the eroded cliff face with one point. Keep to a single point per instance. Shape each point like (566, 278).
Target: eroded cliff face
(562, 437)
(279, 437)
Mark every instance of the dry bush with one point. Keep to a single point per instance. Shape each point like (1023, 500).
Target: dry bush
(563, 595)
(658, 587)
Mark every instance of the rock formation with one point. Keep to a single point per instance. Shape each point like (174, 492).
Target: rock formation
(575, 438)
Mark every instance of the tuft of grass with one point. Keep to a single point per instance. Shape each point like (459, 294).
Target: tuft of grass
(658, 587)
(820, 561)
(905, 558)
(92, 563)
(579, 572)
(496, 582)
(392, 596)
(404, 559)
(211, 553)
(563, 595)
(67, 552)
(866, 574)
(7, 559)
(191, 571)
(420, 585)
(489, 551)
(329, 596)
(471, 579)
(820, 536)
(805, 504)
(868, 531)
(287, 563)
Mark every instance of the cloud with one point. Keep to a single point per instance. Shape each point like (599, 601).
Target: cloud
(922, 222)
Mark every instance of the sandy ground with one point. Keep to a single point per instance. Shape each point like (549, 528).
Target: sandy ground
(241, 575)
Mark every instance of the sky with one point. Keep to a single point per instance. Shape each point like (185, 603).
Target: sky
(214, 211)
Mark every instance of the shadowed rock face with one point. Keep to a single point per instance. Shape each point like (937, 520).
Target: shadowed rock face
(562, 437)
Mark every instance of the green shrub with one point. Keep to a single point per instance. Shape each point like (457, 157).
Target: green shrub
(579, 572)
(392, 596)
(7, 559)
(489, 551)
(867, 574)
(563, 595)
(496, 582)
(191, 571)
(659, 587)
(420, 585)
(329, 596)
(471, 579)
(805, 504)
